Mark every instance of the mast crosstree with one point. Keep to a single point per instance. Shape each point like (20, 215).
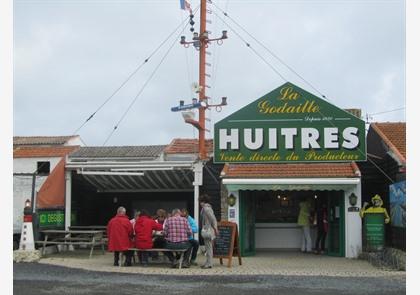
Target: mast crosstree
(200, 42)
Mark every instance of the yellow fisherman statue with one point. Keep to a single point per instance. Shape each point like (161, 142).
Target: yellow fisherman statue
(377, 208)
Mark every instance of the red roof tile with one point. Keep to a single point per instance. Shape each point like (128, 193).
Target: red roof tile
(290, 170)
(187, 146)
(393, 134)
(37, 152)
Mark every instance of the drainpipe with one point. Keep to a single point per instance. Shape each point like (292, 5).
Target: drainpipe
(198, 180)
(67, 217)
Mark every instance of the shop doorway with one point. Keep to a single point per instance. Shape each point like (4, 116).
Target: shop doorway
(247, 203)
(268, 220)
(335, 236)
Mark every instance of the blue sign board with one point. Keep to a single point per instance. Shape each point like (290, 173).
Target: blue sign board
(397, 203)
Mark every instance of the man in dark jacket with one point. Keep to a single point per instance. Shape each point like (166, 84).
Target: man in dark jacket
(120, 232)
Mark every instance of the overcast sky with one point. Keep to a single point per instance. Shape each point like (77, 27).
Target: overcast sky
(70, 56)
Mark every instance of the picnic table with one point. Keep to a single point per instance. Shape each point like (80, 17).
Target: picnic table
(73, 237)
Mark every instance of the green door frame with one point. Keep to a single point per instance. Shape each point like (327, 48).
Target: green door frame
(245, 201)
(341, 226)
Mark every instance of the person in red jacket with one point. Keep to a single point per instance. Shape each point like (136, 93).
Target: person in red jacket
(144, 228)
(120, 232)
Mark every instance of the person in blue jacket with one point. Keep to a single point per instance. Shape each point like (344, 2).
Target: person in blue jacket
(194, 243)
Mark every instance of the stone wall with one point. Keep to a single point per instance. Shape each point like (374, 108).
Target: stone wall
(223, 202)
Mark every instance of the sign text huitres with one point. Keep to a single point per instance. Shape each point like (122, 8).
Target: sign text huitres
(289, 124)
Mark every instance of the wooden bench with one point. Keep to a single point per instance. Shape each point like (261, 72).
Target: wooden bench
(181, 251)
(90, 238)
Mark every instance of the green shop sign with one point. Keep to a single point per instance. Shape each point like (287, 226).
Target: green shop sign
(51, 218)
(374, 231)
(287, 125)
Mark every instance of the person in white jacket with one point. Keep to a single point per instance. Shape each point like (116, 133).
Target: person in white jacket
(209, 229)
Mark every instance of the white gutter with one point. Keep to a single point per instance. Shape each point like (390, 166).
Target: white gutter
(150, 163)
(140, 165)
(291, 181)
(92, 172)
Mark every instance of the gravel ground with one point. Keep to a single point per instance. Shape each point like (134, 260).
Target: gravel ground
(36, 278)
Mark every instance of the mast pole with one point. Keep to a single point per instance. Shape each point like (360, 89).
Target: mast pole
(202, 81)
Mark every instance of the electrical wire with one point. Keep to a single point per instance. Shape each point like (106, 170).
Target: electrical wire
(384, 112)
(130, 76)
(143, 87)
(272, 53)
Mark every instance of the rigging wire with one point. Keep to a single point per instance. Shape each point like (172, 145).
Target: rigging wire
(272, 53)
(187, 63)
(143, 87)
(130, 76)
(253, 50)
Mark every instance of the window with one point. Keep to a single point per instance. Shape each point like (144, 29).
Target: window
(277, 207)
(43, 168)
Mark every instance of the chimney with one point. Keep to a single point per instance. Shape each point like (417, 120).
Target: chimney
(355, 112)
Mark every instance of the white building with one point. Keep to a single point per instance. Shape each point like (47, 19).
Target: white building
(34, 157)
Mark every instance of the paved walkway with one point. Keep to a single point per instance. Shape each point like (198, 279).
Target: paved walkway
(264, 263)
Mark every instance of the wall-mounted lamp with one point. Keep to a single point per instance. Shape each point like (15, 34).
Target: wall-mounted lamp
(353, 199)
(231, 200)
(115, 200)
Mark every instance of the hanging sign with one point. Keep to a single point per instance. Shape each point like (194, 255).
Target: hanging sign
(52, 218)
(289, 124)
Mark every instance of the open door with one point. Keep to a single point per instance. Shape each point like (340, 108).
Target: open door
(336, 240)
(247, 222)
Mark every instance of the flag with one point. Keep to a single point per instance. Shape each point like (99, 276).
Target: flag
(185, 5)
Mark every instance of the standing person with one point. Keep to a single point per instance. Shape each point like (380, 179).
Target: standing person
(176, 231)
(322, 226)
(120, 232)
(209, 229)
(304, 222)
(144, 228)
(194, 243)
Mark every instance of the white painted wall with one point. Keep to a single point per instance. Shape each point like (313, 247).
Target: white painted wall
(29, 165)
(22, 190)
(280, 236)
(74, 141)
(22, 185)
(353, 224)
(234, 209)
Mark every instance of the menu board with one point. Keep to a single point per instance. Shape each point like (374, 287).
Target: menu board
(226, 244)
(223, 242)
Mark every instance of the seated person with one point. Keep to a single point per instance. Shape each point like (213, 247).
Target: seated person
(194, 243)
(120, 232)
(176, 231)
(144, 228)
(159, 241)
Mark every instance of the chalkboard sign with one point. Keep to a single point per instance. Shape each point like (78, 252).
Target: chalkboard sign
(223, 241)
(226, 243)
